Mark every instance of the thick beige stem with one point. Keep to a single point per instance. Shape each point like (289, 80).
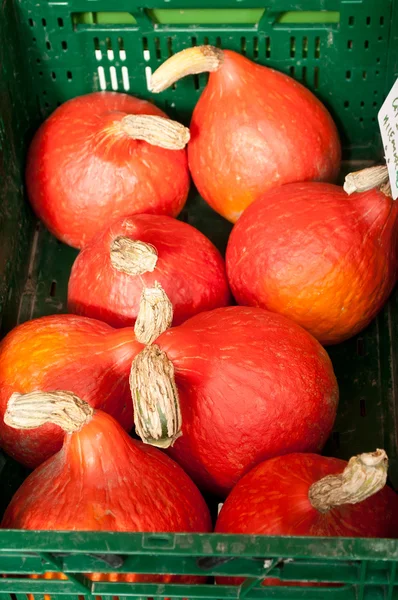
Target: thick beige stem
(155, 314)
(367, 179)
(133, 257)
(157, 131)
(28, 411)
(157, 414)
(363, 476)
(191, 61)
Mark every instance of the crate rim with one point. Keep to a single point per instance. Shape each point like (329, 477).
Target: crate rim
(199, 544)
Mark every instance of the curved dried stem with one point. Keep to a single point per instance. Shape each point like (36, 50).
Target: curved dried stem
(132, 256)
(157, 414)
(363, 476)
(155, 314)
(368, 179)
(191, 61)
(65, 409)
(157, 131)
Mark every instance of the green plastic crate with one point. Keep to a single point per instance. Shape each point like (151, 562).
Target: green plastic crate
(346, 51)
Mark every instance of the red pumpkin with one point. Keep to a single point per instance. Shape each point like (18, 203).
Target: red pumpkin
(64, 352)
(310, 495)
(88, 165)
(188, 267)
(317, 256)
(101, 480)
(252, 129)
(251, 385)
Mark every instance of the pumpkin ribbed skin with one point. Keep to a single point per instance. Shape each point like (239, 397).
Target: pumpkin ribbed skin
(81, 176)
(128, 486)
(189, 268)
(272, 499)
(64, 352)
(324, 259)
(252, 385)
(241, 147)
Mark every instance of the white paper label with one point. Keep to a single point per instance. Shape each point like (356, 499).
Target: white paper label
(388, 123)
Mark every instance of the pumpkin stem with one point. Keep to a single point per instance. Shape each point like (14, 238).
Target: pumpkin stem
(368, 179)
(363, 476)
(28, 411)
(157, 131)
(132, 257)
(191, 61)
(157, 414)
(155, 314)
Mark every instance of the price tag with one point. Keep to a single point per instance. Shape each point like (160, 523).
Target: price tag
(388, 123)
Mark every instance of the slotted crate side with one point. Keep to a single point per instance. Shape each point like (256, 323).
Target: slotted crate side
(356, 563)
(347, 62)
(16, 222)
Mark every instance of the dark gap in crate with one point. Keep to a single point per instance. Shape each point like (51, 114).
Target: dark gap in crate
(362, 407)
(44, 22)
(194, 41)
(170, 46)
(218, 42)
(336, 439)
(316, 78)
(69, 75)
(60, 22)
(267, 47)
(346, 103)
(360, 347)
(64, 45)
(255, 47)
(243, 46)
(367, 20)
(158, 52)
(351, 21)
(305, 47)
(317, 47)
(292, 70)
(53, 288)
(348, 75)
(304, 75)
(31, 22)
(366, 44)
(292, 47)
(48, 45)
(349, 44)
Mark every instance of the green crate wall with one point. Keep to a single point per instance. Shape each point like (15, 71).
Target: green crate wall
(346, 51)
